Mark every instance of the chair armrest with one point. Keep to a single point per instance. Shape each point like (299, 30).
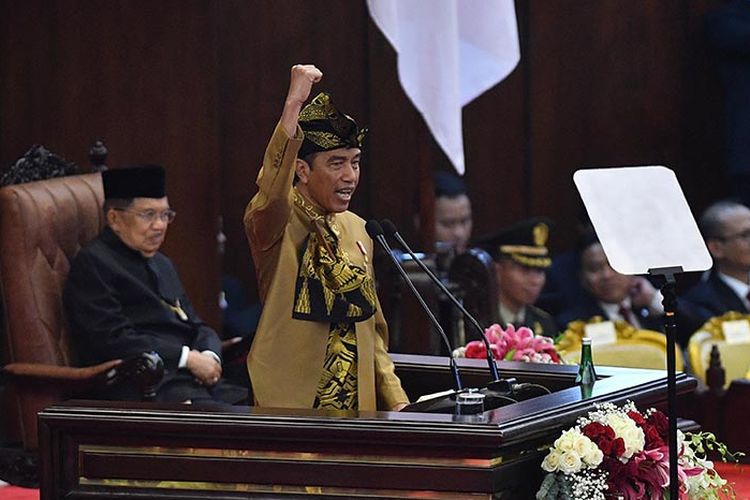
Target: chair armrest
(147, 369)
(41, 372)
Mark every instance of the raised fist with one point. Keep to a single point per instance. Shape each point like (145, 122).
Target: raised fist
(302, 79)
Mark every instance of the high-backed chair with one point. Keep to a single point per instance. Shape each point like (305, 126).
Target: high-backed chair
(474, 272)
(43, 224)
(629, 347)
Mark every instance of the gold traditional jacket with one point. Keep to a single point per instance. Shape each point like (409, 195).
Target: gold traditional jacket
(286, 358)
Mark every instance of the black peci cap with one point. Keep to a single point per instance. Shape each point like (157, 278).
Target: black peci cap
(146, 181)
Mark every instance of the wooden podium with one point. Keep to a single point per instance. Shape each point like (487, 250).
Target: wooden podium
(113, 450)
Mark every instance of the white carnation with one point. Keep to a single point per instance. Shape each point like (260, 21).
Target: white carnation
(631, 434)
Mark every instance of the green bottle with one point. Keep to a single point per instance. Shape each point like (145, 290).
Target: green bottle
(586, 374)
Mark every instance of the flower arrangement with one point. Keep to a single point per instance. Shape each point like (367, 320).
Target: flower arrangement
(623, 453)
(512, 345)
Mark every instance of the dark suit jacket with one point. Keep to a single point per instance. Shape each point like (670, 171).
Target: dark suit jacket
(587, 307)
(707, 299)
(115, 302)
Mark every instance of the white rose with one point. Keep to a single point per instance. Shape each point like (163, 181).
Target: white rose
(581, 444)
(565, 441)
(552, 461)
(570, 462)
(593, 456)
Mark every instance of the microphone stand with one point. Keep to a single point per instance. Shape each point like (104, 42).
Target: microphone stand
(376, 232)
(391, 229)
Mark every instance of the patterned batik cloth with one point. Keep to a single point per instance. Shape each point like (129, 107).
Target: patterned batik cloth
(331, 289)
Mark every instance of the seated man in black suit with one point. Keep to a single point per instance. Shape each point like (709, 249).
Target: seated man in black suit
(725, 226)
(123, 297)
(521, 259)
(611, 295)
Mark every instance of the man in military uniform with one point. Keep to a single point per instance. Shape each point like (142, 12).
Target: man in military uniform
(123, 297)
(322, 339)
(521, 258)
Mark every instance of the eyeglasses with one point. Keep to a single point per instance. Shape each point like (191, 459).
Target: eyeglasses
(150, 216)
(744, 235)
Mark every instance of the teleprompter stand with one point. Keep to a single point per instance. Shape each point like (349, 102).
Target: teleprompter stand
(645, 226)
(669, 300)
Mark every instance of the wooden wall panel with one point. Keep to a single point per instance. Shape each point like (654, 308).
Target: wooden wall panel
(198, 85)
(258, 44)
(140, 75)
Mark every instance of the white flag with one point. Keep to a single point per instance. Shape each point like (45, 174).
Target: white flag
(449, 52)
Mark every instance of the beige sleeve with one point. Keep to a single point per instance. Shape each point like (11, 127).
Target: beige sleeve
(388, 385)
(269, 210)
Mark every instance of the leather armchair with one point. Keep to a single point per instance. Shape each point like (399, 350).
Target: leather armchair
(43, 224)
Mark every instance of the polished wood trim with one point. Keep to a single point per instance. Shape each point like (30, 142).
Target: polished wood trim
(90, 447)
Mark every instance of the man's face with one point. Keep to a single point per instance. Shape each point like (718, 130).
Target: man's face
(331, 179)
(519, 285)
(598, 277)
(453, 221)
(733, 248)
(143, 225)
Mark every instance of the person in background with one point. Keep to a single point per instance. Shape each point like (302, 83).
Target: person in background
(611, 295)
(521, 258)
(453, 221)
(123, 297)
(725, 226)
(563, 289)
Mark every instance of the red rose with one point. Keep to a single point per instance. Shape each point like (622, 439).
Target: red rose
(594, 430)
(660, 421)
(605, 445)
(637, 418)
(653, 439)
(618, 447)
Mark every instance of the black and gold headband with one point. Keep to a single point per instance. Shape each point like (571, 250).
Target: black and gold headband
(326, 128)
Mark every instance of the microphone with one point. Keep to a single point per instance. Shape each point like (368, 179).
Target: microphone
(375, 231)
(391, 230)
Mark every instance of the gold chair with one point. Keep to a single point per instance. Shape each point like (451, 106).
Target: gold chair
(735, 353)
(632, 348)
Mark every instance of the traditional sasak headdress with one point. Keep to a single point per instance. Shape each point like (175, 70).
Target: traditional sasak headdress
(327, 128)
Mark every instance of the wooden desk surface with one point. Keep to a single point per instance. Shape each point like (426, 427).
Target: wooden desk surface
(100, 449)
